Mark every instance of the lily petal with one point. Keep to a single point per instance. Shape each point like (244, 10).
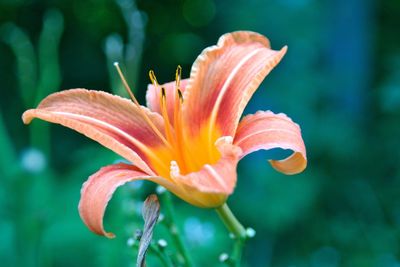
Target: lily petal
(266, 130)
(114, 122)
(223, 79)
(210, 186)
(99, 188)
(153, 97)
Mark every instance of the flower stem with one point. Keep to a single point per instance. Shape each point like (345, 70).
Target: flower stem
(230, 221)
(237, 229)
(162, 256)
(173, 229)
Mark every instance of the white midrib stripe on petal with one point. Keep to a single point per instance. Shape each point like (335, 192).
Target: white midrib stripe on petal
(214, 174)
(134, 141)
(261, 132)
(226, 86)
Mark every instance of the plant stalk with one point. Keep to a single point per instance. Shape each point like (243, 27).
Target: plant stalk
(173, 229)
(237, 229)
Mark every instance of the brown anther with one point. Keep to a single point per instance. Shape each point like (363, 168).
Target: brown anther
(180, 95)
(178, 76)
(163, 94)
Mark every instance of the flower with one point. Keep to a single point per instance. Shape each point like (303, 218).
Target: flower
(189, 139)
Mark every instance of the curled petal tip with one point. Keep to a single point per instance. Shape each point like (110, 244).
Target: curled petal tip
(27, 117)
(293, 165)
(109, 235)
(98, 190)
(266, 130)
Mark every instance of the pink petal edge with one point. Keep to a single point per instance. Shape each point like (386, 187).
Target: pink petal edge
(266, 130)
(98, 190)
(112, 121)
(223, 79)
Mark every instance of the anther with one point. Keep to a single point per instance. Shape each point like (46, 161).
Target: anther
(178, 77)
(180, 95)
(144, 115)
(164, 113)
(153, 78)
(163, 94)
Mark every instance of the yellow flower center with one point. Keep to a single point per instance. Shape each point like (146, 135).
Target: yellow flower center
(190, 153)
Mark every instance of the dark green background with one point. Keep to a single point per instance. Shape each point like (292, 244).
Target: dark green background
(340, 80)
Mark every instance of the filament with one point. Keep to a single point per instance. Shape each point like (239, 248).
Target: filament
(164, 113)
(144, 115)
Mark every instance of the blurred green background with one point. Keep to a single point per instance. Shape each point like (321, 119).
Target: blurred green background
(340, 80)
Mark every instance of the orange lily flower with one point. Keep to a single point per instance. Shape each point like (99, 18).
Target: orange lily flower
(189, 139)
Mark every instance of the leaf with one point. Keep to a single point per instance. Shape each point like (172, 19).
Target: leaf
(150, 212)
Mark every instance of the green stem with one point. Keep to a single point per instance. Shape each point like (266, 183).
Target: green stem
(237, 229)
(8, 158)
(162, 256)
(230, 221)
(173, 229)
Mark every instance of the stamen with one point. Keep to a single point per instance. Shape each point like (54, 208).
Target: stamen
(125, 83)
(180, 137)
(180, 95)
(177, 104)
(163, 94)
(177, 101)
(177, 107)
(178, 131)
(178, 77)
(144, 115)
(153, 78)
(164, 113)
